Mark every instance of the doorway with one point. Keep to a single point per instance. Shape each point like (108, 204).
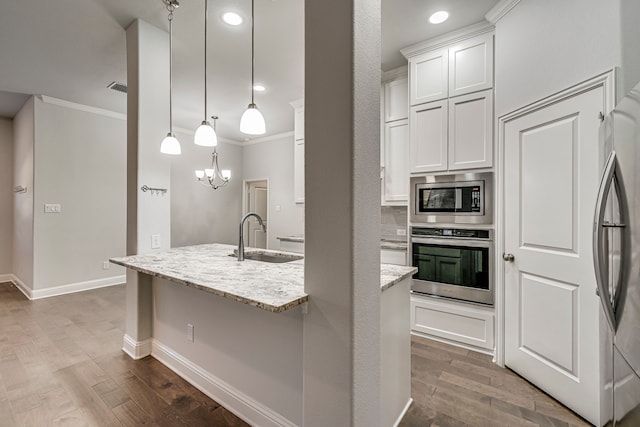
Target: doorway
(256, 199)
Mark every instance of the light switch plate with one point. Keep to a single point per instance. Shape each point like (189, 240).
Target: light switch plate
(401, 232)
(155, 241)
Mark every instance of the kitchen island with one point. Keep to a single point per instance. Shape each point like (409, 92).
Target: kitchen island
(235, 329)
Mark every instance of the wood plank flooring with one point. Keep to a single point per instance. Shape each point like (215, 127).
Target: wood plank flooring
(452, 386)
(61, 365)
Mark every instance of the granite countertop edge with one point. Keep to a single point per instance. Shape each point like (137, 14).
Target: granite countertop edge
(153, 264)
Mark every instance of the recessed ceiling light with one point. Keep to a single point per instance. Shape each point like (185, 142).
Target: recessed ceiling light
(232, 18)
(259, 88)
(439, 17)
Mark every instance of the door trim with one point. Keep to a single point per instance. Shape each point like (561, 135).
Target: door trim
(245, 193)
(605, 80)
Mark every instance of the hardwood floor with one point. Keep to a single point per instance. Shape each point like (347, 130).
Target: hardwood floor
(452, 386)
(61, 365)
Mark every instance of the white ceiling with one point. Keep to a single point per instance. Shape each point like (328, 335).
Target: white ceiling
(73, 49)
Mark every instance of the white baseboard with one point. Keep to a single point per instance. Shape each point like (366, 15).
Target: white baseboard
(22, 287)
(232, 399)
(136, 349)
(77, 287)
(404, 412)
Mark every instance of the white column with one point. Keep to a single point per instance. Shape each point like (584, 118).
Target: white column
(342, 215)
(147, 124)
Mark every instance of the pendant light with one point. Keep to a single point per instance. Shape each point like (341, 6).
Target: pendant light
(205, 135)
(214, 177)
(170, 144)
(252, 122)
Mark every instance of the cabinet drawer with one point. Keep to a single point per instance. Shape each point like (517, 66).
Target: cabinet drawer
(453, 321)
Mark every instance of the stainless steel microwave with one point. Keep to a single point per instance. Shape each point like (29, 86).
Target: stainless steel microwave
(452, 199)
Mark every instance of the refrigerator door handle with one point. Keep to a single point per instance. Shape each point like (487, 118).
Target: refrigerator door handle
(599, 229)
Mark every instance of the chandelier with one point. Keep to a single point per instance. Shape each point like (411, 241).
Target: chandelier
(214, 177)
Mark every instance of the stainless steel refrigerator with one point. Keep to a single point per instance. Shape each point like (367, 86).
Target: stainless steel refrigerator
(616, 246)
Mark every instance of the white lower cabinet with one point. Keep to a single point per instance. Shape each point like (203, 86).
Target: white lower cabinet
(453, 322)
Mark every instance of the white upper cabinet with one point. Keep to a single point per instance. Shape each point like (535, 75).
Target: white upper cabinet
(396, 103)
(429, 78)
(471, 65)
(471, 131)
(395, 172)
(428, 137)
(451, 98)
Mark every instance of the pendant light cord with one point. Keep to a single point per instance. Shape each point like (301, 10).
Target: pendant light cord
(171, 8)
(253, 58)
(206, 13)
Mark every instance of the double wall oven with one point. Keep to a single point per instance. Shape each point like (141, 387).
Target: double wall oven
(451, 218)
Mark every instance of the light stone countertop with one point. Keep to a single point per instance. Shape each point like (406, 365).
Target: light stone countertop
(269, 286)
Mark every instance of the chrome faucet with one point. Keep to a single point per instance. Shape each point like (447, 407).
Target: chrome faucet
(241, 239)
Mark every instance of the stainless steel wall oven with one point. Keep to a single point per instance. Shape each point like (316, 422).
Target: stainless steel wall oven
(453, 262)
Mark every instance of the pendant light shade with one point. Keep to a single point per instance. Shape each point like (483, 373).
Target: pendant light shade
(170, 144)
(252, 121)
(205, 135)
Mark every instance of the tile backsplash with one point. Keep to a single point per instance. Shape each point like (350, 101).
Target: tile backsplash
(393, 218)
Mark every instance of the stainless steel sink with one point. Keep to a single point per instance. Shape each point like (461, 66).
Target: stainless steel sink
(272, 258)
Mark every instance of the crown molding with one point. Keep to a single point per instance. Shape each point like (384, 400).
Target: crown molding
(498, 11)
(396, 73)
(445, 40)
(80, 107)
(269, 138)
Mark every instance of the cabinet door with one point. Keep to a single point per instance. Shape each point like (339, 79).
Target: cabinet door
(428, 137)
(471, 65)
(396, 100)
(298, 171)
(428, 73)
(298, 126)
(471, 131)
(395, 177)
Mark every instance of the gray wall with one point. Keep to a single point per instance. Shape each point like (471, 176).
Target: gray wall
(23, 133)
(6, 195)
(544, 46)
(79, 163)
(630, 35)
(273, 160)
(200, 214)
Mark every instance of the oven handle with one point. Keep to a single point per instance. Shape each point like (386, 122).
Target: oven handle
(453, 242)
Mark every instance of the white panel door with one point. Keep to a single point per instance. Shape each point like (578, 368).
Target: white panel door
(258, 203)
(551, 180)
(428, 73)
(395, 177)
(471, 131)
(471, 65)
(396, 100)
(428, 137)
(298, 120)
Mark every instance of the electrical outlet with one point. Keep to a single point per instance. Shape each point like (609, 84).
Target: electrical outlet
(155, 241)
(105, 265)
(401, 232)
(52, 208)
(190, 332)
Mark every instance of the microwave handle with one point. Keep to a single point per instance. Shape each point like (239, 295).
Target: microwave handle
(452, 242)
